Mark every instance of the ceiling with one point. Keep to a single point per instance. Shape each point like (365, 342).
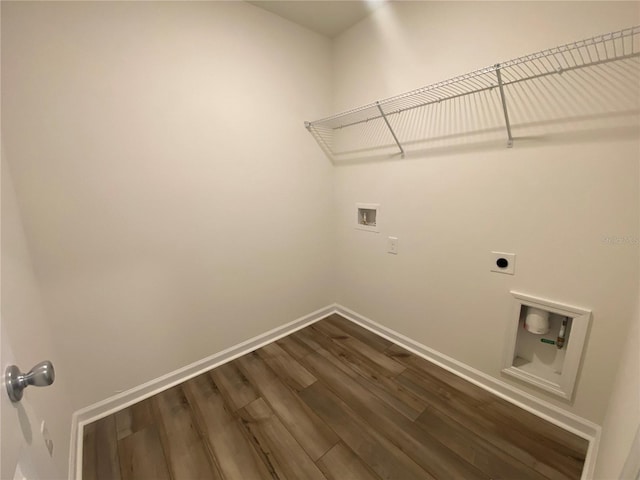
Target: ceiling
(328, 17)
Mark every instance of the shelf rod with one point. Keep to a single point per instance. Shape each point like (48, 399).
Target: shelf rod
(412, 107)
(579, 47)
(504, 107)
(393, 134)
(479, 90)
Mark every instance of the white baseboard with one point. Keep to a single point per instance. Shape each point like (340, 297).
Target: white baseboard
(562, 418)
(122, 400)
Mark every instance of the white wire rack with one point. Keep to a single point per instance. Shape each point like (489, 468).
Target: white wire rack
(380, 127)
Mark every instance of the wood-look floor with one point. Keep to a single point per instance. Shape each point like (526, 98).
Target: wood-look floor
(332, 401)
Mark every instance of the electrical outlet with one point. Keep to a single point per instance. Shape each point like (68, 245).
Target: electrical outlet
(392, 245)
(503, 262)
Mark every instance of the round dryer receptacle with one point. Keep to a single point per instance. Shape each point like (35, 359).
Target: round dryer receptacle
(502, 263)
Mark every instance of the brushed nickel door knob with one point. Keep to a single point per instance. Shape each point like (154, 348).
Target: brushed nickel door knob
(41, 375)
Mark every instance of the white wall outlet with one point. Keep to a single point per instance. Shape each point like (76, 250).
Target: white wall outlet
(392, 245)
(501, 262)
(48, 441)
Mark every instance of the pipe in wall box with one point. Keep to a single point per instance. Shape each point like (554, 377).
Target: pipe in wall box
(537, 321)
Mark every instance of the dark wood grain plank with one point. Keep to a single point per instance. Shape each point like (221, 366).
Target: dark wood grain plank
(294, 347)
(465, 411)
(434, 391)
(133, 418)
(382, 456)
(384, 387)
(314, 436)
(282, 454)
(89, 452)
(425, 450)
(361, 333)
(387, 365)
(340, 463)
(234, 454)
(305, 336)
(422, 365)
(101, 450)
(474, 449)
(142, 457)
(234, 386)
(539, 430)
(286, 367)
(183, 446)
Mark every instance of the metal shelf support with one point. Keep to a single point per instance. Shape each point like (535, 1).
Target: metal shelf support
(393, 134)
(504, 107)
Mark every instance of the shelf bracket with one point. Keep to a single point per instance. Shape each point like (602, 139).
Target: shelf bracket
(393, 134)
(504, 106)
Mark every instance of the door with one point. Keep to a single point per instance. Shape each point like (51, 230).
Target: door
(26, 340)
(24, 452)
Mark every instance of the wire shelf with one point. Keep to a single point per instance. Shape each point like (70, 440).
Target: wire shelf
(384, 126)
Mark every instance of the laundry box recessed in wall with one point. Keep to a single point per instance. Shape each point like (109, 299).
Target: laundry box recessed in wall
(367, 217)
(544, 343)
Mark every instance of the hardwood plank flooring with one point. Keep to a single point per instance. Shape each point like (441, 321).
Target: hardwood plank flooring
(288, 369)
(340, 463)
(313, 435)
(184, 447)
(132, 419)
(382, 455)
(89, 457)
(101, 450)
(417, 443)
(236, 388)
(223, 431)
(141, 456)
(332, 401)
(279, 448)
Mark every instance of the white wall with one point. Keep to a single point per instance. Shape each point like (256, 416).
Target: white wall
(173, 202)
(27, 340)
(551, 199)
(622, 421)
(623, 413)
